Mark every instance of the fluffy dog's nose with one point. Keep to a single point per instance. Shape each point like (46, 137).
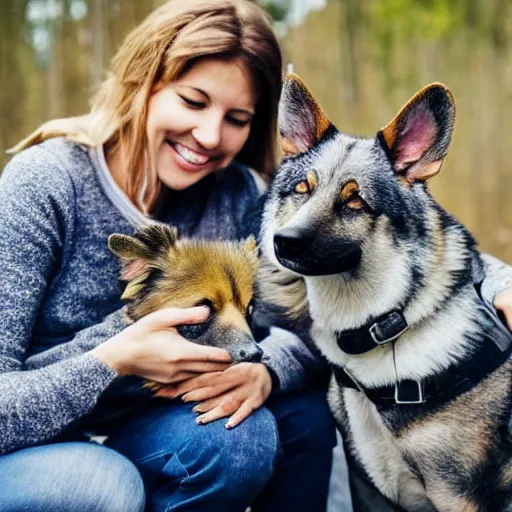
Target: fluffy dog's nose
(291, 243)
(251, 354)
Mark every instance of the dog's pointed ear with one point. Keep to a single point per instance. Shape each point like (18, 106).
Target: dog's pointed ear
(302, 122)
(418, 138)
(146, 246)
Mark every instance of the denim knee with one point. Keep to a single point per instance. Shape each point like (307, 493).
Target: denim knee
(241, 460)
(81, 477)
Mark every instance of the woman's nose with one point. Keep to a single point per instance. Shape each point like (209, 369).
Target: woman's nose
(208, 133)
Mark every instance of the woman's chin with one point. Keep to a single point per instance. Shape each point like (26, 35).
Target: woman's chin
(176, 179)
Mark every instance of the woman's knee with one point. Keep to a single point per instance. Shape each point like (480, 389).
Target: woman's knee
(244, 456)
(69, 476)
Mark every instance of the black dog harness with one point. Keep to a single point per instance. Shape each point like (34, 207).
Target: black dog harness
(458, 378)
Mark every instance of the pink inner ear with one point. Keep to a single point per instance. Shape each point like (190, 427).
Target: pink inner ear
(133, 269)
(418, 134)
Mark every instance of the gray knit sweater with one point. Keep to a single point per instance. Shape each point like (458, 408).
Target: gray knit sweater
(59, 293)
(59, 296)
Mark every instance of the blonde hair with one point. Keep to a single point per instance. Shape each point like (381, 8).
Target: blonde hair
(159, 50)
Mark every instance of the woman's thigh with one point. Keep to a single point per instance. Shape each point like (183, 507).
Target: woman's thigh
(201, 467)
(81, 477)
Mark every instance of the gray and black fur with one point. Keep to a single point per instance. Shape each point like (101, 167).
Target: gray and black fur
(351, 232)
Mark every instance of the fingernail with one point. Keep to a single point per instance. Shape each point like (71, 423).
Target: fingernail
(197, 410)
(199, 421)
(229, 425)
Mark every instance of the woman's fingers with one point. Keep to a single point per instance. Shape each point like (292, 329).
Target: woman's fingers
(503, 302)
(202, 381)
(168, 318)
(194, 352)
(243, 412)
(207, 392)
(227, 406)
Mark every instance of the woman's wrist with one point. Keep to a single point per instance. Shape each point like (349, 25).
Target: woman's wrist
(110, 355)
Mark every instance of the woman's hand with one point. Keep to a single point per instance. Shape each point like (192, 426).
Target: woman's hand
(151, 348)
(503, 302)
(235, 392)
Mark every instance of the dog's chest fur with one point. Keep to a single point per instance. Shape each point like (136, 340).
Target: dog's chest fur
(411, 451)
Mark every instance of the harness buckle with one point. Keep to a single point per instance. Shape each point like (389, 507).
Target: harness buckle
(409, 383)
(397, 319)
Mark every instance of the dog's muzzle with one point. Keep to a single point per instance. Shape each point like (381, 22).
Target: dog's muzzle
(308, 254)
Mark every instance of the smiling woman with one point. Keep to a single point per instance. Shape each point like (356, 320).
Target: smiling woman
(199, 122)
(181, 132)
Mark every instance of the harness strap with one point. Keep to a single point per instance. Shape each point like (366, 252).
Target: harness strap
(458, 378)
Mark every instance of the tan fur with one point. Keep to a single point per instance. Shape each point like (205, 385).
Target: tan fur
(197, 271)
(283, 289)
(302, 187)
(232, 316)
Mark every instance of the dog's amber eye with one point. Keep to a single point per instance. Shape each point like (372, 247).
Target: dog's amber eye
(350, 195)
(302, 187)
(355, 203)
(308, 185)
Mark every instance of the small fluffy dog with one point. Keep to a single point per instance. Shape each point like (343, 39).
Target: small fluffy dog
(163, 270)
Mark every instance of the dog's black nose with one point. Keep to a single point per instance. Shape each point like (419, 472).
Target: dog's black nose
(251, 354)
(292, 243)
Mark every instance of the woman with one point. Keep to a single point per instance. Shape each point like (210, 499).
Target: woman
(188, 108)
(192, 88)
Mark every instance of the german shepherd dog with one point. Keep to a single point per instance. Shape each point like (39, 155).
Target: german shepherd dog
(421, 384)
(162, 270)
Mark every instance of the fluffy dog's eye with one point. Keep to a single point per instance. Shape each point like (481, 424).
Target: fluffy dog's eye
(194, 331)
(356, 202)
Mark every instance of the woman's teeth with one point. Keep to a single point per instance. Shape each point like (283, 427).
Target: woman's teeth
(191, 156)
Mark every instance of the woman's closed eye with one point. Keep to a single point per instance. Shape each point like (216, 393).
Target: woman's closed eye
(192, 103)
(238, 122)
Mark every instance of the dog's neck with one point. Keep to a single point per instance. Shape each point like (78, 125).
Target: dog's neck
(436, 296)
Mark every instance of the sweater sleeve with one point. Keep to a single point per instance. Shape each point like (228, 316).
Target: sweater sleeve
(294, 365)
(36, 213)
(498, 276)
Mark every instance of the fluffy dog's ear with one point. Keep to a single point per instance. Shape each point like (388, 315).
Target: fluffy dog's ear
(138, 251)
(418, 138)
(302, 122)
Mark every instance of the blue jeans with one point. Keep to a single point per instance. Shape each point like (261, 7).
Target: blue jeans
(69, 477)
(278, 459)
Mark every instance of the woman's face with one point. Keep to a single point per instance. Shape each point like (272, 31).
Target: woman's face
(198, 123)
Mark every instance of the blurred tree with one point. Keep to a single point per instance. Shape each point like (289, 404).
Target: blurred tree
(16, 68)
(278, 9)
